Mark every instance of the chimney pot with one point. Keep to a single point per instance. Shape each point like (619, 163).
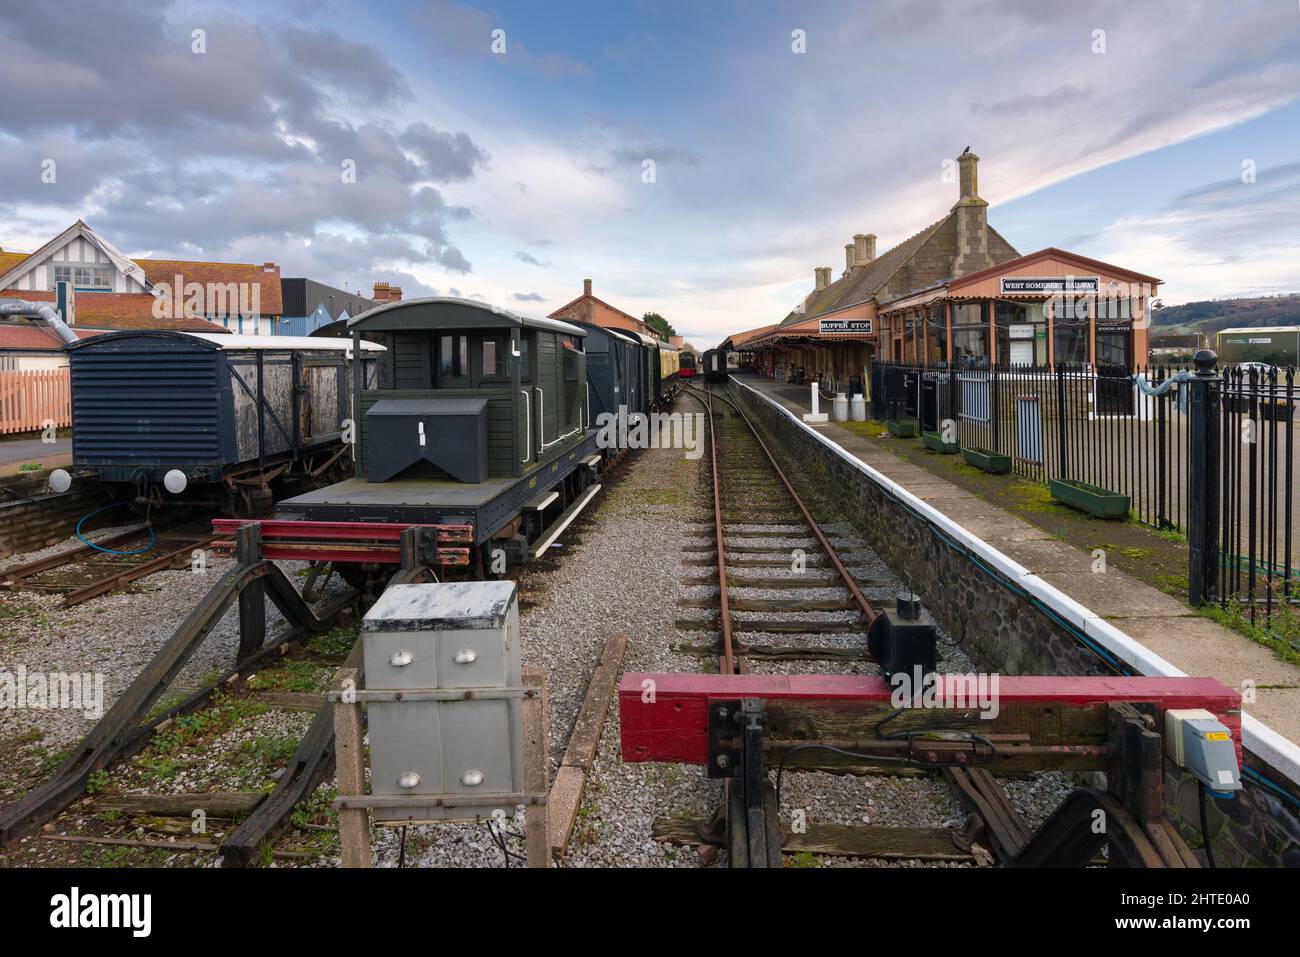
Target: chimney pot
(849, 256)
(586, 287)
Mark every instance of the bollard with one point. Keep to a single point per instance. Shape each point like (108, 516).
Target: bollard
(816, 415)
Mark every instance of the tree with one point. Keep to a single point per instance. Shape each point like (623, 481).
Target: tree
(659, 324)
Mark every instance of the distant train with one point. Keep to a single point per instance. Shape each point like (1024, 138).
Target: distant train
(719, 364)
(687, 362)
(210, 418)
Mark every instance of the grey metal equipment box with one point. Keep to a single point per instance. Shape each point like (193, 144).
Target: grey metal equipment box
(450, 434)
(460, 640)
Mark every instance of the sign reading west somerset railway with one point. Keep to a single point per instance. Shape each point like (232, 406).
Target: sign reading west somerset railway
(844, 327)
(1050, 284)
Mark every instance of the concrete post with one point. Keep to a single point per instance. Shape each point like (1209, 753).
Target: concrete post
(816, 415)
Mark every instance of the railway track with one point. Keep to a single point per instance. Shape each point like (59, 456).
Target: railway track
(111, 564)
(232, 728)
(811, 594)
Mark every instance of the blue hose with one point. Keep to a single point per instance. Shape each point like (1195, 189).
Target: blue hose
(153, 539)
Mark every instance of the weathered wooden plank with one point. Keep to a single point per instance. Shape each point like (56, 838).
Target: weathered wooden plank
(536, 819)
(585, 738)
(775, 626)
(777, 652)
(219, 804)
(290, 700)
(773, 604)
(840, 840)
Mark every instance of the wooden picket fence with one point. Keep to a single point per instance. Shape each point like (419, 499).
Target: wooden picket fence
(31, 399)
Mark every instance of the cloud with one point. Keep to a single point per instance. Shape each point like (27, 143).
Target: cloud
(1227, 238)
(528, 297)
(245, 147)
(466, 32)
(531, 260)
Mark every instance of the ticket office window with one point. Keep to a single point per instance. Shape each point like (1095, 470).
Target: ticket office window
(1070, 341)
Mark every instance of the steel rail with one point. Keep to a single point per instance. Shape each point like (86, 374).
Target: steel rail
(175, 558)
(729, 663)
(868, 612)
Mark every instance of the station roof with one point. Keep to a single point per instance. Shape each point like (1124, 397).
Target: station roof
(228, 342)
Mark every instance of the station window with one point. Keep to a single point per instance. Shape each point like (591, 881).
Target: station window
(1021, 332)
(1070, 341)
(936, 336)
(970, 334)
(491, 358)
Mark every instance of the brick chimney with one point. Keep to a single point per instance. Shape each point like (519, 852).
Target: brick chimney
(586, 287)
(850, 257)
(386, 293)
(819, 279)
(972, 220)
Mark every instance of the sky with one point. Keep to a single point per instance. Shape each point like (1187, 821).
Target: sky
(698, 159)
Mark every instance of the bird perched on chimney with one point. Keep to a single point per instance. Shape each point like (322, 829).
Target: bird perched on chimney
(965, 151)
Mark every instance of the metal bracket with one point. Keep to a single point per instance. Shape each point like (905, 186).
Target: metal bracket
(725, 753)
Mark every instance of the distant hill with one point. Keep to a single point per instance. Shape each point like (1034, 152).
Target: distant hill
(1211, 315)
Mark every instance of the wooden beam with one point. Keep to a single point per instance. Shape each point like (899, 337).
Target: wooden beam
(221, 804)
(350, 774)
(570, 781)
(536, 741)
(1052, 711)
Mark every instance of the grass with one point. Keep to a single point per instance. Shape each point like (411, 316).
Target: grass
(1281, 634)
(30, 467)
(1158, 557)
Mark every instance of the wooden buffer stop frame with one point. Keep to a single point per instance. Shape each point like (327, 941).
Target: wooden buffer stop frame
(741, 727)
(457, 726)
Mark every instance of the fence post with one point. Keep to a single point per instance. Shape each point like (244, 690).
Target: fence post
(1062, 466)
(1203, 482)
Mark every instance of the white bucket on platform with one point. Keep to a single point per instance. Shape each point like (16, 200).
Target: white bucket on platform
(858, 408)
(840, 407)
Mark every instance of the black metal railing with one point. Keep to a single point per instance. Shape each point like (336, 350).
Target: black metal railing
(1074, 422)
(1223, 471)
(1258, 495)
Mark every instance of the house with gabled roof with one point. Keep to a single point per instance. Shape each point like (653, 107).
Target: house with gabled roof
(115, 291)
(589, 308)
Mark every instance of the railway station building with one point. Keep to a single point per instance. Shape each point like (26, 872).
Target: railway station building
(956, 292)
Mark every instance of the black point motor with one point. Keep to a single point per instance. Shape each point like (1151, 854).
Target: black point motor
(903, 638)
